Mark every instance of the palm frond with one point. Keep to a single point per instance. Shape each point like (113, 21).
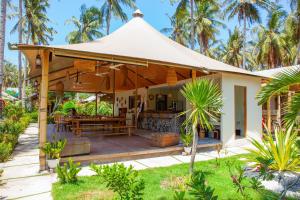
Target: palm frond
(280, 83)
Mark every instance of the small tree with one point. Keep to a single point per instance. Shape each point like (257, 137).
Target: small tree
(205, 99)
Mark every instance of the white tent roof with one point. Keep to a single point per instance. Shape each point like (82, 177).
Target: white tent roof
(138, 39)
(271, 73)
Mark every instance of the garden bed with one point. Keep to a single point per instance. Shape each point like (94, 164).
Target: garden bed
(160, 183)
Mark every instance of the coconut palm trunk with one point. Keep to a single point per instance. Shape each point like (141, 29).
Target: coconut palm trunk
(108, 19)
(297, 59)
(192, 25)
(194, 148)
(2, 42)
(244, 41)
(20, 84)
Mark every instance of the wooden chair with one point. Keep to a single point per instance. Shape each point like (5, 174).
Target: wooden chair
(60, 123)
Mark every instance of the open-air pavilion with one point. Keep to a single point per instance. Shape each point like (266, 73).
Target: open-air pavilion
(142, 71)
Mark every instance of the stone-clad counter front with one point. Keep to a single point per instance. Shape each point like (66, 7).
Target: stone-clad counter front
(160, 121)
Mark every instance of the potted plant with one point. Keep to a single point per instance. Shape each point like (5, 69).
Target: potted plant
(52, 150)
(186, 139)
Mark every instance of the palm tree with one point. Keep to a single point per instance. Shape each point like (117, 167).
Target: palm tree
(20, 32)
(113, 7)
(282, 83)
(2, 41)
(10, 75)
(35, 22)
(206, 24)
(87, 26)
(231, 52)
(178, 30)
(184, 8)
(205, 99)
(271, 46)
(292, 29)
(247, 11)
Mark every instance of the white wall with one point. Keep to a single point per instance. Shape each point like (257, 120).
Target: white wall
(254, 112)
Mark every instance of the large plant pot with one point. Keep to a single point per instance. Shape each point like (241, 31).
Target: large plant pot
(52, 163)
(187, 150)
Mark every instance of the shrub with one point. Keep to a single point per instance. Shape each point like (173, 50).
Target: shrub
(5, 151)
(34, 116)
(68, 172)
(9, 139)
(13, 111)
(122, 180)
(12, 127)
(52, 149)
(199, 188)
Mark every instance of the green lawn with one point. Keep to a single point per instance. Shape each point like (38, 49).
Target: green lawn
(158, 183)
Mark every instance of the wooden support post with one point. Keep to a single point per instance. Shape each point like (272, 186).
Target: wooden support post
(43, 107)
(269, 123)
(135, 97)
(194, 74)
(96, 103)
(114, 92)
(279, 109)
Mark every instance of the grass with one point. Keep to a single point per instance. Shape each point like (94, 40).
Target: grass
(159, 182)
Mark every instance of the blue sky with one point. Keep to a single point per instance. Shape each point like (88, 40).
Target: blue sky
(155, 12)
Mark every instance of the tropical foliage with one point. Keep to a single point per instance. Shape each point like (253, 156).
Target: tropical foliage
(205, 99)
(282, 82)
(35, 22)
(114, 8)
(279, 154)
(87, 26)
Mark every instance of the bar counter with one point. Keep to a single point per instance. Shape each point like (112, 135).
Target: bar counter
(161, 121)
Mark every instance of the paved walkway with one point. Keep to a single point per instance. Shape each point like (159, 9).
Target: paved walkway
(22, 179)
(21, 176)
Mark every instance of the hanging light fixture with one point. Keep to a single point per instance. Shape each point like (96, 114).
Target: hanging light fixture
(171, 77)
(38, 62)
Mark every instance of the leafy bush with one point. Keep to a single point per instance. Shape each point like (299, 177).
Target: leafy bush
(122, 180)
(68, 106)
(5, 151)
(186, 138)
(68, 172)
(12, 127)
(34, 116)
(103, 108)
(54, 148)
(9, 139)
(13, 111)
(199, 188)
(279, 154)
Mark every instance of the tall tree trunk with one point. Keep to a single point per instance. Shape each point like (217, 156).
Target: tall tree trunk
(245, 38)
(108, 20)
(194, 148)
(2, 43)
(297, 59)
(192, 25)
(19, 53)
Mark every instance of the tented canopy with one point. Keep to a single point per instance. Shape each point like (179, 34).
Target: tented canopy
(134, 46)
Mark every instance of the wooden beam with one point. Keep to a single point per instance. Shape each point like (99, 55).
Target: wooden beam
(43, 108)
(142, 76)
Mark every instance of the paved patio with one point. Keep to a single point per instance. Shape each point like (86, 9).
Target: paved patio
(22, 179)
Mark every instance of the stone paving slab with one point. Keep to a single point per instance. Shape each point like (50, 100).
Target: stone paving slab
(19, 172)
(158, 161)
(22, 160)
(17, 188)
(42, 196)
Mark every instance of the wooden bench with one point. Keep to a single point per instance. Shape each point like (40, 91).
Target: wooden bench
(79, 130)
